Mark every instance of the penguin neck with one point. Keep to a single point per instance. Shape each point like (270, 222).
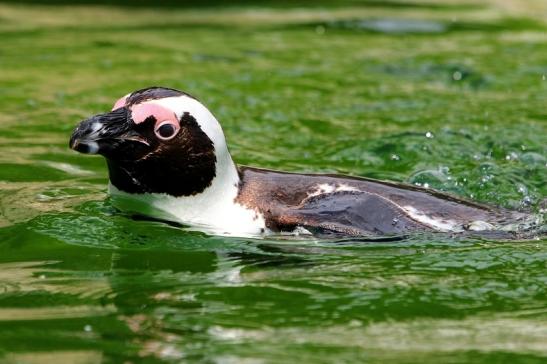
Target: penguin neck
(201, 208)
(225, 186)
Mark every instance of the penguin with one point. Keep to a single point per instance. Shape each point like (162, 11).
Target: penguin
(167, 159)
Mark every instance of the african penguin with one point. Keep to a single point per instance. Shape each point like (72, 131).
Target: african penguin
(168, 159)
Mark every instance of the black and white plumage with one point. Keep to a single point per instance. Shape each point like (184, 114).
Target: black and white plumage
(167, 158)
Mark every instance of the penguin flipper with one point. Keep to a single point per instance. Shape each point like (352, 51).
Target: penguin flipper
(350, 213)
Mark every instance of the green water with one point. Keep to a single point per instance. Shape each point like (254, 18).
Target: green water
(448, 94)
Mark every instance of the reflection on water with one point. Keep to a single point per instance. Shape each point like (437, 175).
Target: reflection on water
(393, 26)
(159, 292)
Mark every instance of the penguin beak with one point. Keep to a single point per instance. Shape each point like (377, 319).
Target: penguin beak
(104, 133)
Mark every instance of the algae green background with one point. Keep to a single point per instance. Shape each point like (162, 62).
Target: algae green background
(448, 93)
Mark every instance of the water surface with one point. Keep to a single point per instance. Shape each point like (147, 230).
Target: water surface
(446, 95)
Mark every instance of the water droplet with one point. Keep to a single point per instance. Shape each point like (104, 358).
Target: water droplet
(533, 159)
(426, 185)
(395, 157)
(457, 76)
(511, 156)
(429, 135)
(42, 276)
(88, 328)
(522, 189)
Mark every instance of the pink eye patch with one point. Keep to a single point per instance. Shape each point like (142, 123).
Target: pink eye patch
(119, 103)
(141, 112)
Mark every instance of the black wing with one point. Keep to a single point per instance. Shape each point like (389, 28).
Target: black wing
(351, 213)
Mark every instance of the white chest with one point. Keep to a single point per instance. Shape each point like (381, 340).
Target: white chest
(217, 214)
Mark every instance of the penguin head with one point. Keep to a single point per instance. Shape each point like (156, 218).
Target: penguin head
(156, 140)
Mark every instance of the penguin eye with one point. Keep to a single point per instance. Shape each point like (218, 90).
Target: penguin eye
(166, 130)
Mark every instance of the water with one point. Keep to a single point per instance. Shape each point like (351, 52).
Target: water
(444, 95)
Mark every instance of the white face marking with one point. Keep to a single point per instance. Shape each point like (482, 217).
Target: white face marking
(214, 210)
(205, 119)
